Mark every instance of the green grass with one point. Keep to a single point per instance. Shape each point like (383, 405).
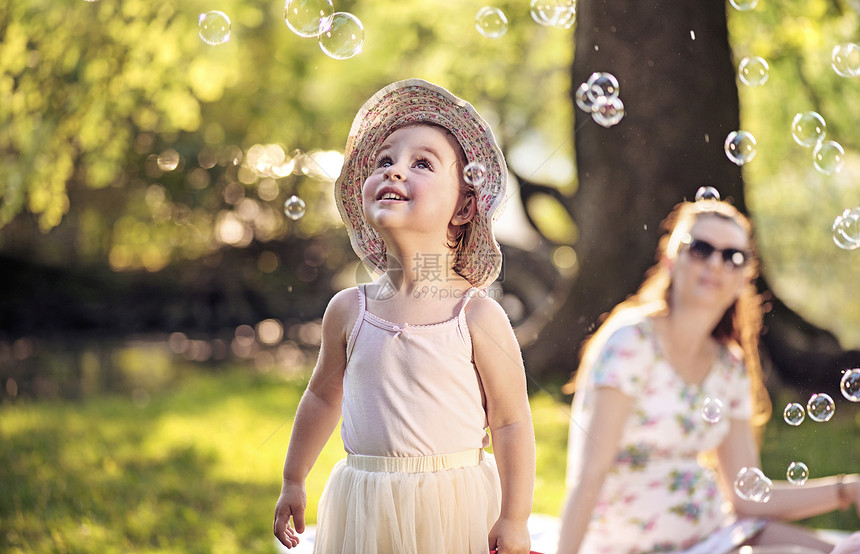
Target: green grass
(826, 448)
(196, 468)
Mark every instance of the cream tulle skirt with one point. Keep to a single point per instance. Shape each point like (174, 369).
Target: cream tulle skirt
(441, 504)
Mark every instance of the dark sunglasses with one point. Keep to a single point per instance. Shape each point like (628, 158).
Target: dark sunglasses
(703, 250)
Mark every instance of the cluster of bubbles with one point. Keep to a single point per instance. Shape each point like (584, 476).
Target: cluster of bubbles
(753, 71)
(752, 484)
(846, 229)
(492, 22)
(598, 96)
(340, 34)
(845, 59)
(809, 130)
(820, 408)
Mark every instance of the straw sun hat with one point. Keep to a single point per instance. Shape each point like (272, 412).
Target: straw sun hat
(416, 101)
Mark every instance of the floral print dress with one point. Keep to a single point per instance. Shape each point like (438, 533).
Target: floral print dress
(657, 496)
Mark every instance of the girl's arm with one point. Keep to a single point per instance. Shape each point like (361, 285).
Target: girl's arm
(316, 417)
(787, 502)
(500, 367)
(600, 442)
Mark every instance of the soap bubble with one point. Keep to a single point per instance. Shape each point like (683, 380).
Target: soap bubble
(820, 407)
(608, 111)
(712, 410)
(601, 85)
(582, 100)
(294, 207)
(554, 13)
(794, 414)
(753, 71)
(740, 147)
(743, 5)
(846, 229)
(474, 173)
(845, 59)
(341, 36)
(752, 484)
(808, 128)
(491, 22)
(304, 17)
(599, 97)
(828, 157)
(213, 27)
(850, 385)
(707, 193)
(797, 473)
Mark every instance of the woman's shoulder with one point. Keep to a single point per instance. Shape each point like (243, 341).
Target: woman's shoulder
(630, 324)
(624, 335)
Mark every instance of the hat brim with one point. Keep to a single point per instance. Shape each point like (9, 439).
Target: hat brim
(417, 101)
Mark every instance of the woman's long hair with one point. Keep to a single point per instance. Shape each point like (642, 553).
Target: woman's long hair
(741, 323)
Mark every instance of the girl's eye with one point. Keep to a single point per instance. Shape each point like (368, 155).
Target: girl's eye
(384, 161)
(423, 164)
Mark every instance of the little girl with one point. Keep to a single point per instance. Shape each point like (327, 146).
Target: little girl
(421, 361)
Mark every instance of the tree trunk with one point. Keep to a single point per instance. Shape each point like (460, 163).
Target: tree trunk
(676, 78)
(673, 64)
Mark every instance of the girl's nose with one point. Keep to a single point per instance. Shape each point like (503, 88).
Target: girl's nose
(393, 173)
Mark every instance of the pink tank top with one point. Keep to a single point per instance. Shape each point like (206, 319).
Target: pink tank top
(411, 390)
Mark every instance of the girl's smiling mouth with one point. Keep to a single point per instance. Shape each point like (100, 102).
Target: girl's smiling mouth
(392, 194)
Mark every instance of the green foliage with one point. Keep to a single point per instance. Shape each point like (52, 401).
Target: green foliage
(193, 469)
(794, 205)
(100, 91)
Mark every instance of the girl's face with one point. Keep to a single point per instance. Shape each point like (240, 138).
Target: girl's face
(711, 267)
(416, 184)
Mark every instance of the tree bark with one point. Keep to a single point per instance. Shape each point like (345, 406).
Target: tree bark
(676, 78)
(673, 64)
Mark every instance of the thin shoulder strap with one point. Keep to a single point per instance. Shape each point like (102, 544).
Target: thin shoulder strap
(362, 308)
(468, 296)
(461, 317)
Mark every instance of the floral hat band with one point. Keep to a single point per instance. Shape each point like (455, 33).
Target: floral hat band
(417, 101)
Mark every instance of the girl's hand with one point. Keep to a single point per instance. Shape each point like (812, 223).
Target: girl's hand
(510, 537)
(291, 503)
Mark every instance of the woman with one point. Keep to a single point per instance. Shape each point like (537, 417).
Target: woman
(669, 398)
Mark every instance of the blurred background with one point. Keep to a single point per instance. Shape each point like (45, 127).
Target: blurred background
(169, 240)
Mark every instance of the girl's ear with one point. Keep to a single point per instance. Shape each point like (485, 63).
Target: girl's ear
(466, 211)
